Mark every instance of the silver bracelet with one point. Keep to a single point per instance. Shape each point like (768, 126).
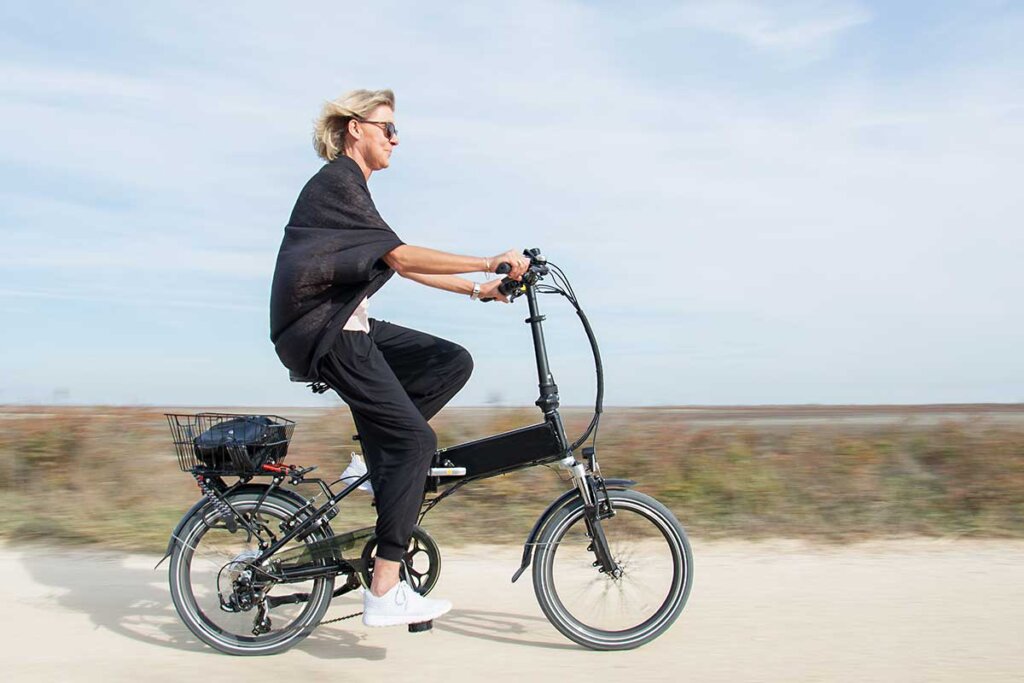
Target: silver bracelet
(475, 294)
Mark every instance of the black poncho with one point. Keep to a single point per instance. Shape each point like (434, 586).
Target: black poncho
(329, 260)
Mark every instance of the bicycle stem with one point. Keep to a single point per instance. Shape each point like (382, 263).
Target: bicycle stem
(548, 401)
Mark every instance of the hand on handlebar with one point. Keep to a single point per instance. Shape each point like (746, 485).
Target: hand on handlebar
(489, 291)
(518, 263)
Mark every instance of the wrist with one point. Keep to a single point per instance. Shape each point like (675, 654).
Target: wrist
(475, 294)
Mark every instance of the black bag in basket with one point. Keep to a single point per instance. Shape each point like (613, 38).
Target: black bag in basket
(242, 436)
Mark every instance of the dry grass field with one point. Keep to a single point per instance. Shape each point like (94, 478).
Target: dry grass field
(109, 476)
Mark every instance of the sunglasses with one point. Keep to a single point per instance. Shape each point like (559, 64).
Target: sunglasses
(388, 127)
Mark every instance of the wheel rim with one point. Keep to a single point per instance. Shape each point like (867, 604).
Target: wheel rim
(205, 550)
(600, 609)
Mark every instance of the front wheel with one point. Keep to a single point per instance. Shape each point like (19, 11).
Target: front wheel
(598, 610)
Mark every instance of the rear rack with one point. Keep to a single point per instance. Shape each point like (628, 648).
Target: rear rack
(229, 444)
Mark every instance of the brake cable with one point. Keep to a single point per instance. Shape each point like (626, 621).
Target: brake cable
(560, 276)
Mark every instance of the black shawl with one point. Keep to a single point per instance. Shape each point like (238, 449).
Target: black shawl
(329, 260)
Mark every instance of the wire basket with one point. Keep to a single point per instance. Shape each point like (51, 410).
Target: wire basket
(229, 444)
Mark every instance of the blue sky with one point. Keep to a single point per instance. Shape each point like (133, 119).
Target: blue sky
(785, 202)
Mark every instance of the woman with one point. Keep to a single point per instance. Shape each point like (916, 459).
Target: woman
(337, 251)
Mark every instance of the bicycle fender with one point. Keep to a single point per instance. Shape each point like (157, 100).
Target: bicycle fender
(559, 503)
(203, 502)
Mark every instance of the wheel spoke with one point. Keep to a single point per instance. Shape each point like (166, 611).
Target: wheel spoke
(603, 610)
(209, 553)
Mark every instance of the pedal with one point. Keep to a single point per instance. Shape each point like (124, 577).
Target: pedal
(447, 471)
(421, 627)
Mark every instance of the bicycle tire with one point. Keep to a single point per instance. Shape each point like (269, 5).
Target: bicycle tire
(207, 622)
(643, 536)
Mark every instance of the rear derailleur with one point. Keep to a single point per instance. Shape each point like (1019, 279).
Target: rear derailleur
(245, 594)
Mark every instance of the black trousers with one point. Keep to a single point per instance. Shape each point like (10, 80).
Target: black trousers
(395, 379)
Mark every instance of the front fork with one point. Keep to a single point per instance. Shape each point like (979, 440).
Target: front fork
(596, 506)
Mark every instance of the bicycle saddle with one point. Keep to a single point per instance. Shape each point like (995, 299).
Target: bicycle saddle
(315, 385)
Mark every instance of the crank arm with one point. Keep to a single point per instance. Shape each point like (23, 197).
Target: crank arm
(295, 598)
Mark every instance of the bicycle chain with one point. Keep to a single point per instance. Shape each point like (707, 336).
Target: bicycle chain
(331, 621)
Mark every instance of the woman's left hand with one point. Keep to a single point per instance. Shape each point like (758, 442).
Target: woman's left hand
(489, 290)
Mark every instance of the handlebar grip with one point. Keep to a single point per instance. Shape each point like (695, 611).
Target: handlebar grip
(507, 286)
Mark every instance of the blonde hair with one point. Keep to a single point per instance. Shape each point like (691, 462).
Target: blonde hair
(330, 127)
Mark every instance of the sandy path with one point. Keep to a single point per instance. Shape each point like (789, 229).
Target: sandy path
(919, 610)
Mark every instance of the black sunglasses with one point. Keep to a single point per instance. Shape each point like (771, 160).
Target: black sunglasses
(389, 127)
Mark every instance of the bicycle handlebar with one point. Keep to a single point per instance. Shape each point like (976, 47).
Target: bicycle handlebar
(514, 288)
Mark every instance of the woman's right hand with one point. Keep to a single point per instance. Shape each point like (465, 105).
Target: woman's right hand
(490, 290)
(520, 264)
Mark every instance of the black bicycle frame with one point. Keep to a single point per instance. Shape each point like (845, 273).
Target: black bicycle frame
(555, 446)
(316, 517)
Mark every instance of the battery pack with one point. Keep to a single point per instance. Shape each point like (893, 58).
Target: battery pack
(502, 453)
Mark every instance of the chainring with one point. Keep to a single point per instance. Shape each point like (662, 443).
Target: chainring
(421, 565)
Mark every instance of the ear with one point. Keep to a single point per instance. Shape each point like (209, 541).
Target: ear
(353, 129)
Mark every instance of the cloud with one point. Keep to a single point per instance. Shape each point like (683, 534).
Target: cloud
(43, 82)
(790, 26)
(127, 256)
(135, 298)
(797, 224)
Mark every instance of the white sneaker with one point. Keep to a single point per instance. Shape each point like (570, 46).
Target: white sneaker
(356, 469)
(401, 605)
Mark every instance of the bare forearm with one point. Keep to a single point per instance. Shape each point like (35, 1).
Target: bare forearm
(408, 259)
(449, 283)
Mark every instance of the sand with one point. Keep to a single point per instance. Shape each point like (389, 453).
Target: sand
(899, 610)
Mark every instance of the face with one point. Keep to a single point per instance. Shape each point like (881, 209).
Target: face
(372, 144)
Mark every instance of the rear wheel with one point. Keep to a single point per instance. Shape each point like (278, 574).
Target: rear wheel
(209, 563)
(606, 612)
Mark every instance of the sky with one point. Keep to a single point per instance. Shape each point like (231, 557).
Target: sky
(778, 202)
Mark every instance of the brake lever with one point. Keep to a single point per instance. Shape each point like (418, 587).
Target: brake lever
(509, 287)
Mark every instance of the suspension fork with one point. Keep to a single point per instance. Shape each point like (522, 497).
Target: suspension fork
(593, 514)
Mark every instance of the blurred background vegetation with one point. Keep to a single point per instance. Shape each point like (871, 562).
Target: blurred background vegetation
(109, 476)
